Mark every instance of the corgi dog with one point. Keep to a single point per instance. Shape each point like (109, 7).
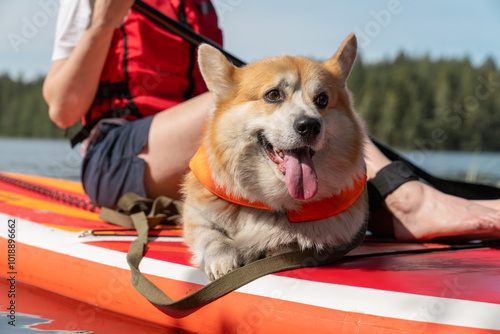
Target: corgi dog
(281, 163)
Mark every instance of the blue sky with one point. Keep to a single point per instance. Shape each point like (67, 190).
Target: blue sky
(255, 29)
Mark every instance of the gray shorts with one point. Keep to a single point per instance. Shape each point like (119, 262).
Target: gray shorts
(111, 168)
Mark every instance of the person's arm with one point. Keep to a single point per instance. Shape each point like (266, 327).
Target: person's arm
(71, 84)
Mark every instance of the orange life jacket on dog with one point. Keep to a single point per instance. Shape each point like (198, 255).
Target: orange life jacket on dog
(149, 69)
(314, 210)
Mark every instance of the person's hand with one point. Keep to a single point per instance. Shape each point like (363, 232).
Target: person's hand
(109, 13)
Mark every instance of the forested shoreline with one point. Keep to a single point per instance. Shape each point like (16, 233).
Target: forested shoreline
(424, 104)
(408, 103)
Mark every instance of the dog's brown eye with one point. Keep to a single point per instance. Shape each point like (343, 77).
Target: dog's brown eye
(274, 95)
(321, 100)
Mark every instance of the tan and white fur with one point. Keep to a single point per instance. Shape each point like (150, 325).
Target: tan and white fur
(262, 113)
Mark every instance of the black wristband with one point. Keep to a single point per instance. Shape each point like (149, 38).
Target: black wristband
(386, 181)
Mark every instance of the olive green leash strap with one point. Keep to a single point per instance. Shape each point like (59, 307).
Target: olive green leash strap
(230, 281)
(160, 210)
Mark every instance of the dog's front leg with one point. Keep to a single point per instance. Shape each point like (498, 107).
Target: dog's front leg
(214, 251)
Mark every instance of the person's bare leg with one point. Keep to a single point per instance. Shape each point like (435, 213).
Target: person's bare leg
(173, 139)
(421, 212)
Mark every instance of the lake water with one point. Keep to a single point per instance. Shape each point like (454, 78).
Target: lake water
(55, 158)
(45, 157)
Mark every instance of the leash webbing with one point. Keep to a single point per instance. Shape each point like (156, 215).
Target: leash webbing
(143, 221)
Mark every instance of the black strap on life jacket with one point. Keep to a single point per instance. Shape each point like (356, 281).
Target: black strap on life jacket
(130, 109)
(188, 92)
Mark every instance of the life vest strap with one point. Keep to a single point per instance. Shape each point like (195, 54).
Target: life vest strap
(128, 110)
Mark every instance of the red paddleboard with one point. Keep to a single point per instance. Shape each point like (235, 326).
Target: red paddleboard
(58, 244)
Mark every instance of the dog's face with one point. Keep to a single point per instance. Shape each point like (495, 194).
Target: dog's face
(283, 128)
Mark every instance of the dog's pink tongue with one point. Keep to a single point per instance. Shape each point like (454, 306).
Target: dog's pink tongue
(300, 177)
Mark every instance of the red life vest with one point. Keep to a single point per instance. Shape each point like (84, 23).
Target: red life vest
(149, 69)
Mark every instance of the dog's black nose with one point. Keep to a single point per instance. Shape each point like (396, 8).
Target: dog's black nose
(307, 126)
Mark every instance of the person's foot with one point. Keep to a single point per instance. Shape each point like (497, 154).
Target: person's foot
(490, 203)
(421, 212)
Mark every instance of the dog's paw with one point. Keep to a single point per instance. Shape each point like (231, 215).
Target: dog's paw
(222, 263)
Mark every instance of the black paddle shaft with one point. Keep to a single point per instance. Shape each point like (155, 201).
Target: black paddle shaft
(181, 29)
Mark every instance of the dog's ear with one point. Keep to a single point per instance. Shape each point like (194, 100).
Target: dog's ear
(342, 61)
(217, 71)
